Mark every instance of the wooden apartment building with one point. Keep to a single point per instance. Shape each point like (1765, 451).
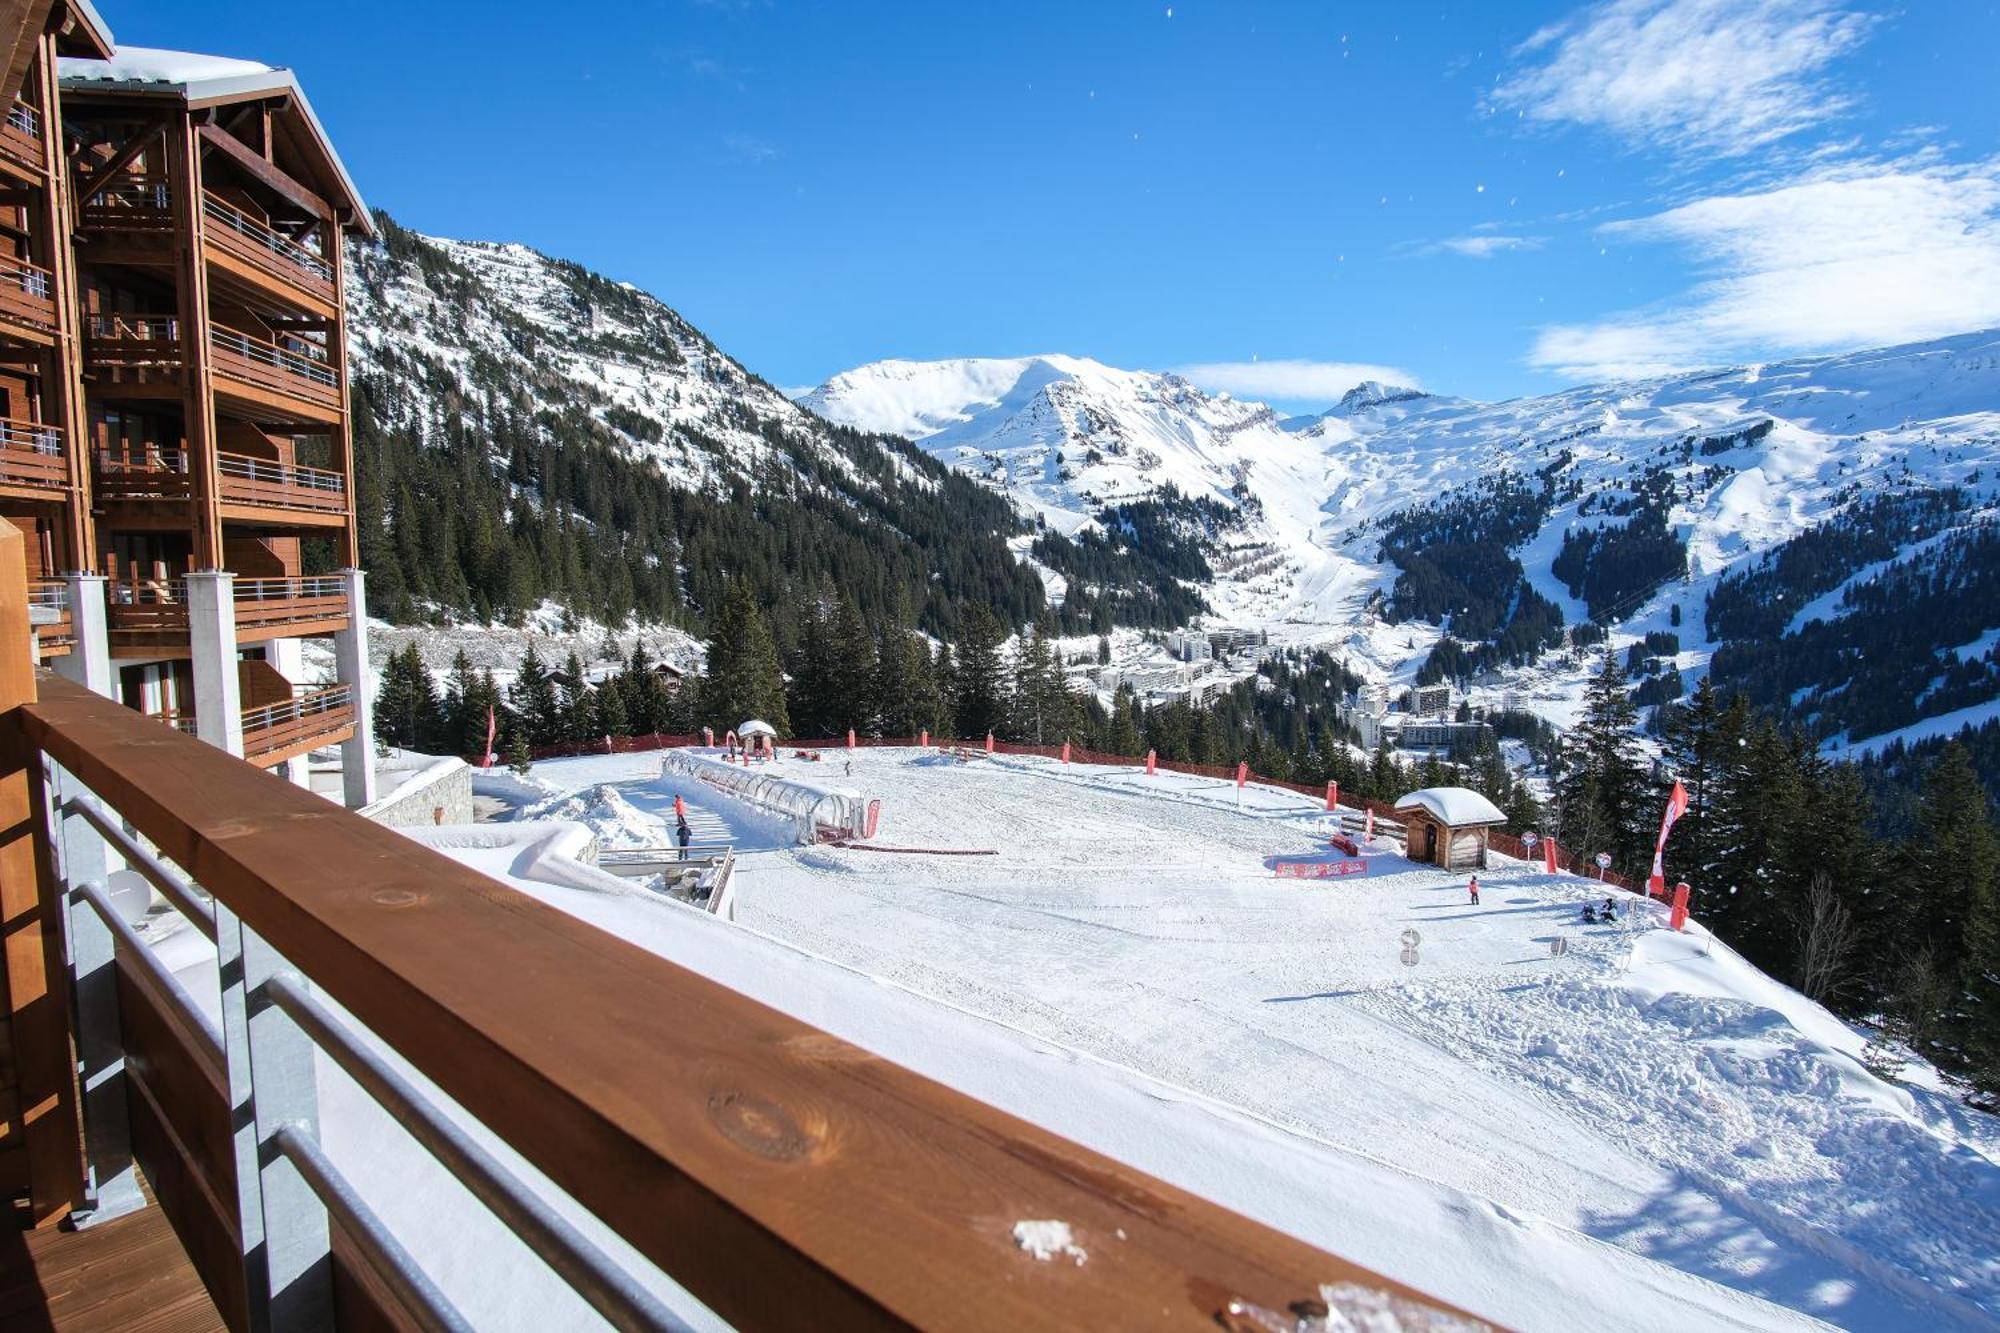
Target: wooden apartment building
(174, 439)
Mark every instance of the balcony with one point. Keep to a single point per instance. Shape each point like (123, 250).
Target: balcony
(130, 205)
(21, 138)
(149, 617)
(134, 350)
(27, 299)
(275, 732)
(250, 489)
(284, 383)
(779, 1174)
(239, 241)
(32, 458)
(49, 613)
(298, 371)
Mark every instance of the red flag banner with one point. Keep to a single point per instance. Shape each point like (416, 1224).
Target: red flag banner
(1242, 775)
(1677, 804)
(487, 762)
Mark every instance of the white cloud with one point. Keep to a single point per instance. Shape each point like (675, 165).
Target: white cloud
(1485, 246)
(1722, 76)
(1851, 257)
(1290, 381)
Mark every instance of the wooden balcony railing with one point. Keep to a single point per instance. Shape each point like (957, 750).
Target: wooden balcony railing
(780, 1175)
(234, 232)
(263, 481)
(27, 294)
(160, 606)
(299, 370)
(129, 204)
(162, 474)
(21, 136)
(49, 612)
(311, 718)
(32, 454)
(133, 346)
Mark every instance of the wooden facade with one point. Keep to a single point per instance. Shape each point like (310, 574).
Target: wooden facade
(1449, 827)
(173, 393)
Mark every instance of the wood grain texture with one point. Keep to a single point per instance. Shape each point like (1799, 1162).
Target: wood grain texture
(37, 1002)
(128, 1275)
(779, 1173)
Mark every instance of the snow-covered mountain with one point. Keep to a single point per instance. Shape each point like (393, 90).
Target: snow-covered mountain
(1729, 465)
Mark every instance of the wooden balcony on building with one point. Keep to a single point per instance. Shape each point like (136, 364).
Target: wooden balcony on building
(149, 617)
(252, 490)
(132, 206)
(27, 300)
(295, 380)
(49, 614)
(140, 356)
(21, 139)
(273, 733)
(33, 462)
(252, 251)
(131, 221)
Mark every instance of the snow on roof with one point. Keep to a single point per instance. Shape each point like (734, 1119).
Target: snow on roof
(1455, 806)
(756, 727)
(193, 75)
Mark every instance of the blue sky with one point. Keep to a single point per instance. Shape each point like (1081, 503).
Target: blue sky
(1485, 198)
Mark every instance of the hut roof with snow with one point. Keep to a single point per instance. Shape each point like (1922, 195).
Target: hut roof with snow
(1457, 806)
(756, 727)
(1448, 826)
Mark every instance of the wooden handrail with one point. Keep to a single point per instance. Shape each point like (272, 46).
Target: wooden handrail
(779, 1174)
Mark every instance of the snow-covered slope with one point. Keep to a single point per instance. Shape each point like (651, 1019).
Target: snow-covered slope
(1641, 1132)
(1751, 456)
(475, 318)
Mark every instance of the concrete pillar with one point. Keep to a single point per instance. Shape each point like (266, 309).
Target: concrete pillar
(218, 694)
(350, 657)
(89, 662)
(288, 658)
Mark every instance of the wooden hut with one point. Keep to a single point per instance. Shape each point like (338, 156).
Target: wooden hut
(760, 739)
(1448, 826)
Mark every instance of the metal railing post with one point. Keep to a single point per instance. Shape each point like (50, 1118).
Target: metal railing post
(287, 1256)
(111, 1181)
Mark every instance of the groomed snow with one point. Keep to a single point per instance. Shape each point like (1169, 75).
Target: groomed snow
(1644, 1131)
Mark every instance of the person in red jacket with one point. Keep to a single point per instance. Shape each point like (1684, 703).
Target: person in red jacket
(1473, 889)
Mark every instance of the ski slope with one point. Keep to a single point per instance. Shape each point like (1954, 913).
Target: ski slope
(1643, 1132)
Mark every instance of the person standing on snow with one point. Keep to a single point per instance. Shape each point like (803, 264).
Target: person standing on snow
(684, 834)
(1473, 889)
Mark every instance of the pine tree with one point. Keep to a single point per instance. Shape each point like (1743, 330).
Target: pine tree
(406, 708)
(578, 712)
(610, 719)
(520, 757)
(744, 680)
(534, 701)
(979, 702)
(1605, 788)
(853, 700)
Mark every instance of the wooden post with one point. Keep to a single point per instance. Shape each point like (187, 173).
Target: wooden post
(336, 359)
(30, 927)
(197, 364)
(62, 375)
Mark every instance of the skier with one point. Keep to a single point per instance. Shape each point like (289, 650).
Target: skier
(684, 834)
(1473, 889)
(680, 808)
(1609, 911)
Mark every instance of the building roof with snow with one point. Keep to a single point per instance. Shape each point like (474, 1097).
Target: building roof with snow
(150, 71)
(1457, 807)
(756, 727)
